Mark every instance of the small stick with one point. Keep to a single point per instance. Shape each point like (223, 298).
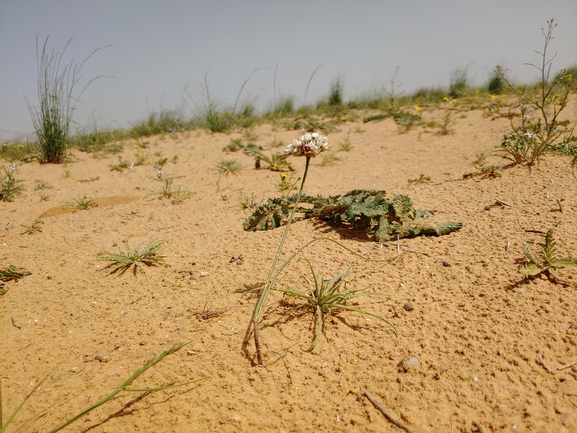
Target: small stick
(14, 323)
(478, 427)
(385, 412)
(7, 225)
(534, 231)
(563, 367)
(560, 207)
(545, 366)
(503, 202)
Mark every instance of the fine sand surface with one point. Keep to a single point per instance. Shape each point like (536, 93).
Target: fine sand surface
(476, 326)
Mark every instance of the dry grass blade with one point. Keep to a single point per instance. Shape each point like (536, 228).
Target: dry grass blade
(121, 262)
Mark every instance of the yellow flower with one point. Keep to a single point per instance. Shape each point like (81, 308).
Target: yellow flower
(445, 99)
(493, 96)
(417, 108)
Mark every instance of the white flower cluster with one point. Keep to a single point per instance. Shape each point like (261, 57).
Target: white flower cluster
(308, 145)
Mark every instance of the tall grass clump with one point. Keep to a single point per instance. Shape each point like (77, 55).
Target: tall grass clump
(540, 108)
(459, 82)
(57, 100)
(495, 84)
(164, 122)
(336, 91)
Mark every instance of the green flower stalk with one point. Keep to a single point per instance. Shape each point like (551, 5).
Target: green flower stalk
(309, 146)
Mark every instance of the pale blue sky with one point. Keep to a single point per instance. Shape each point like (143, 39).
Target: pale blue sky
(160, 47)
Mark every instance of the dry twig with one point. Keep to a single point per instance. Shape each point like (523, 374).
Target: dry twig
(545, 366)
(385, 412)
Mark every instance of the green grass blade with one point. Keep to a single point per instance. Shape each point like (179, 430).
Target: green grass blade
(13, 415)
(150, 363)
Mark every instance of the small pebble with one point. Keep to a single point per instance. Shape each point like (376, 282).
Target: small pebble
(409, 306)
(411, 362)
(446, 263)
(573, 326)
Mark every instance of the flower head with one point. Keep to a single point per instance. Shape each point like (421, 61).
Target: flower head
(308, 145)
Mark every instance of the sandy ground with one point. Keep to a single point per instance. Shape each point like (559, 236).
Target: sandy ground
(476, 326)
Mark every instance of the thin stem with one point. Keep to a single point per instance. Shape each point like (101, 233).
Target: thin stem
(265, 291)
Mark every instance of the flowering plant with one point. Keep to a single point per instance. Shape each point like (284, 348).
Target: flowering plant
(309, 145)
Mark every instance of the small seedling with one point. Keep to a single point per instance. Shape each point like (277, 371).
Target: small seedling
(346, 145)
(82, 203)
(121, 166)
(41, 185)
(122, 261)
(330, 159)
(66, 174)
(140, 157)
(34, 228)
(327, 297)
(10, 273)
(44, 197)
(275, 143)
(547, 262)
(9, 186)
(480, 159)
(228, 166)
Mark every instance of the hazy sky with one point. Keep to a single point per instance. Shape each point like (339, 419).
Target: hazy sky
(160, 48)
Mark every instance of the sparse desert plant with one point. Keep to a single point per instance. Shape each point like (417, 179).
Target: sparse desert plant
(346, 145)
(328, 297)
(421, 179)
(10, 187)
(44, 197)
(287, 182)
(9, 273)
(89, 179)
(141, 255)
(540, 109)
(41, 185)
(275, 143)
(446, 123)
(65, 174)
(228, 166)
(82, 203)
(58, 102)
(123, 387)
(546, 262)
(34, 228)
(248, 201)
(177, 195)
(330, 159)
(121, 166)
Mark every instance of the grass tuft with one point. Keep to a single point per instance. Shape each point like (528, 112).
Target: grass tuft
(123, 261)
(328, 297)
